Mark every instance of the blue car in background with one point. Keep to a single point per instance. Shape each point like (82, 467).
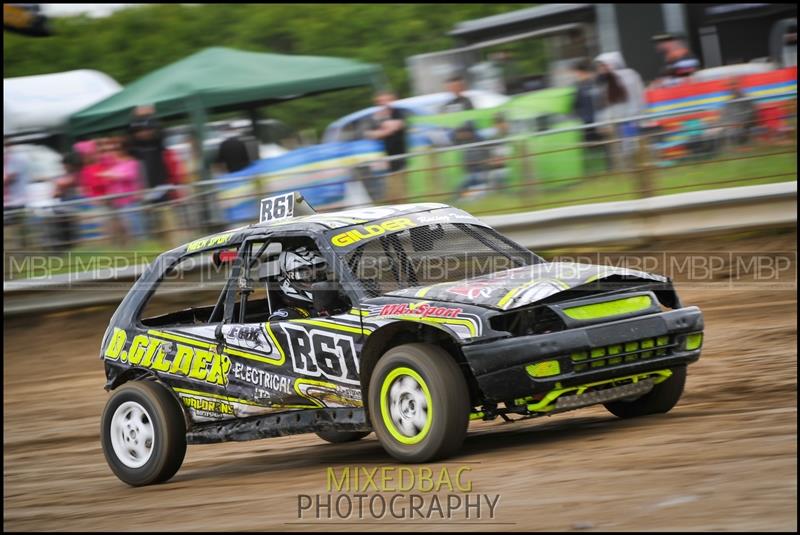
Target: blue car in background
(320, 172)
(343, 129)
(323, 173)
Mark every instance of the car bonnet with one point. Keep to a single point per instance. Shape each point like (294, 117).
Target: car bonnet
(521, 286)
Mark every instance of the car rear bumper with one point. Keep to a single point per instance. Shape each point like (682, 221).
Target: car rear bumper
(500, 366)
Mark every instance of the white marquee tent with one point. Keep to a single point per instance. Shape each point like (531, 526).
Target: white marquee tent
(42, 103)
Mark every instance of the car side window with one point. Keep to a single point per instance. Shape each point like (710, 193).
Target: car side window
(189, 290)
(259, 291)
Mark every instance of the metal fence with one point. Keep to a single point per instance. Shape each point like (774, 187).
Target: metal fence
(619, 160)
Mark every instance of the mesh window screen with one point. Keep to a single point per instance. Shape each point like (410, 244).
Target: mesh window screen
(432, 254)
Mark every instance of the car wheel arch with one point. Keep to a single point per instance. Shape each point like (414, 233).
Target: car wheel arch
(130, 374)
(142, 374)
(407, 332)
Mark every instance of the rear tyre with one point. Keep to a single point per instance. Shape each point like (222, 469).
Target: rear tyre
(418, 403)
(660, 399)
(143, 433)
(340, 437)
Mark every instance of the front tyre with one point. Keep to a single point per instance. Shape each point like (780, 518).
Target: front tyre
(418, 403)
(660, 399)
(143, 433)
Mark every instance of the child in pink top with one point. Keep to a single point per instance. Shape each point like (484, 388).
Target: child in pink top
(124, 177)
(90, 179)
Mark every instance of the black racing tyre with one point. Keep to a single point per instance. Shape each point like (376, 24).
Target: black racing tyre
(143, 433)
(418, 403)
(340, 437)
(660, 399)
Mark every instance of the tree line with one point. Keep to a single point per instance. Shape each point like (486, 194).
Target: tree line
(135, 41)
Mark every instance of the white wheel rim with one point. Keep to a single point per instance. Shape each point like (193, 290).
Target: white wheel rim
(408, 406)
(132, 434)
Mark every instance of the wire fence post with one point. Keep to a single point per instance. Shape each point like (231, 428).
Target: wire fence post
(434, 175)
(528, 174)
(396, 181)
(644, 169)
(215, 221)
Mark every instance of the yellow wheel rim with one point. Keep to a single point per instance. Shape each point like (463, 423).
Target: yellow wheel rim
(406, 406)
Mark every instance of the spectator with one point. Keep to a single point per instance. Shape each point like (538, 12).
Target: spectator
(634, 102)
(251, 143)
(499, 152)
(773, 119)
(196, 160)
(679, 62)
(585, 106)
(67, 186)
(124, 175)
(81, 148)
(16, 177)
(613, 103)
(233, 154)
(67, 189)
(162, 168)
(586, 95)
(388, 124)
(459, 102)
(738, 117)
(91, 180)
(476, 161)
(176, 171)
(147, 146)
(97, 182)
(628, 102)
(701, 139)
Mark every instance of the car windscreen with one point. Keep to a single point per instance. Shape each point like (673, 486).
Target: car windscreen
(431, 254)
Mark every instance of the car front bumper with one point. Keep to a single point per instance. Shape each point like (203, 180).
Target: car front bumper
(607, 350)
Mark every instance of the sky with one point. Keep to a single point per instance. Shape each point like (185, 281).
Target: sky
(93, 10)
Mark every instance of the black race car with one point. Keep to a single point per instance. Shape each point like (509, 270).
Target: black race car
(426, 318)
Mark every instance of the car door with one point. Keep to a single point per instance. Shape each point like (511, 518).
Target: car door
(322, 356)
(176, 338)
(288, 364)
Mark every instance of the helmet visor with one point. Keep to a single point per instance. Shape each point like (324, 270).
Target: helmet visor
(304, 276)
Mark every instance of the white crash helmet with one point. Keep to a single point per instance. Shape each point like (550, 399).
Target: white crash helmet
(300, 268)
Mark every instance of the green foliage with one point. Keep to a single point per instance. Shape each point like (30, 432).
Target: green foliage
(133, 42)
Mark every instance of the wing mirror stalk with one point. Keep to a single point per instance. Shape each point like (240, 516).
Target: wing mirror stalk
(219, 337)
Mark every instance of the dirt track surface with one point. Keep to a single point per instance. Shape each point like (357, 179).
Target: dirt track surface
(723, 459)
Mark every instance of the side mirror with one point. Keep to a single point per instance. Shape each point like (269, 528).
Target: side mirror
(326, 296)
(219, 337)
